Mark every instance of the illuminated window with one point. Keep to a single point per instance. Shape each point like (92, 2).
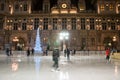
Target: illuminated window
(102, 7)
(119, 7)
(111, 7)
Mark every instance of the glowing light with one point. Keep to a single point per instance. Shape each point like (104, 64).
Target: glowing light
(14, 66)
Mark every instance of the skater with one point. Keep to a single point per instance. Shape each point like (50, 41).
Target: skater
(68, 54)
(28, 52)
(32, 51)
(73, 52)
(107, 54)
(7, 52)
(55, 58)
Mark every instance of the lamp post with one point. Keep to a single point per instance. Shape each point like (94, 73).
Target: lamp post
(88, 28)
(64, 36)
(114, 41)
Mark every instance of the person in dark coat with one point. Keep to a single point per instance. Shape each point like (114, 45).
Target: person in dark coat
(65, 52)
(55, 58)
(32, 51)
(7, 52)
(68, 53)
(28, 52)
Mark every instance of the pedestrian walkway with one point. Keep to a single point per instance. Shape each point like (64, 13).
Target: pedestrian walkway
(79, 67)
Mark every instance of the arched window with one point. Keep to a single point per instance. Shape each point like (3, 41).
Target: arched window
(16, 7)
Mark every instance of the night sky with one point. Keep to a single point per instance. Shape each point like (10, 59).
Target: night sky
(37, 4)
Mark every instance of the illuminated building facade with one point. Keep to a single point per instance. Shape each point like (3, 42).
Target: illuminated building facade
(88, 29)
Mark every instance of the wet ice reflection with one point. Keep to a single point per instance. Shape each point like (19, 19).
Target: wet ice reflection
(37, 61)
(116, 70)
(14, 66)
(64, 76)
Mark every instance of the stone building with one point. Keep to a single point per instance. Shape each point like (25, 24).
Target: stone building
(78, 27)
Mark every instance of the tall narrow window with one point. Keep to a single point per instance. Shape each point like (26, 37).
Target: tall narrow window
(82, 23)
(104, 26)
(83, 43)
(2, 6)
(119, 7)
(1, 23)
(15, 26)
(36, 23)
(112, 26)
(73, 21)
(45, 25)
(46, 8)
(102, 7)
(92, 27)
(54, 23)
(24, 26)
(111, 7)
(25, 7)
(16, 7)
(64, 23)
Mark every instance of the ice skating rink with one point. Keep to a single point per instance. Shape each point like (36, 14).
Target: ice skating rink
(80, 67)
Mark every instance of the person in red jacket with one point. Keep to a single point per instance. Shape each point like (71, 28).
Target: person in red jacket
(107, 54)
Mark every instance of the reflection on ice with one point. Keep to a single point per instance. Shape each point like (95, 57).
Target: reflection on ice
(14, 66)
(64, 76)
(37, 61)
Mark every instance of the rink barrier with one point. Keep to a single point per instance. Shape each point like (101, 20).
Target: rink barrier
(61, 52)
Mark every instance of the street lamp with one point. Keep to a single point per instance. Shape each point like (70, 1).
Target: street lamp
(64, 36)
(114, 41)
(88, 28)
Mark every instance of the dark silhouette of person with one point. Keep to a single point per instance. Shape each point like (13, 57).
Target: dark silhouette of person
(74, 51)
(55, 58)
(65, 52)
(68, 53)
(10, 52)
(28, 52)
(32, 51)
(7, 52)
